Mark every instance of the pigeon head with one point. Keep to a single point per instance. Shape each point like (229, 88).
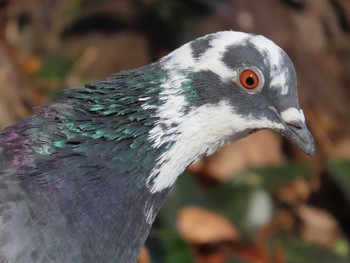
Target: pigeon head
(220, 88)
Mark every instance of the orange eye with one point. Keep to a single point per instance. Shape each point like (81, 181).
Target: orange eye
(249, 79)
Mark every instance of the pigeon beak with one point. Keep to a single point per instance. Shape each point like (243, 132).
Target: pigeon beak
(299, 134)
(295, 129)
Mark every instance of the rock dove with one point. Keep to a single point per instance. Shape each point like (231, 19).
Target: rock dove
(82, 179)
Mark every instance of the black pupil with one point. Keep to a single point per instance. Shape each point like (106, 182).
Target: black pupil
(250, 81)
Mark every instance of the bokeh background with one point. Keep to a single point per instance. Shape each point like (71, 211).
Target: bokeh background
(259, 200)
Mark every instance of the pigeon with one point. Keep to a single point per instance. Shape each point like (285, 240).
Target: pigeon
(83, 178)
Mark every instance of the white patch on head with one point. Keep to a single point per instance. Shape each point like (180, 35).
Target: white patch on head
(171, 110)
(264, 44)
(279, 73)
(291, 115)
(212, 58)
(201, 132)
(181, 58)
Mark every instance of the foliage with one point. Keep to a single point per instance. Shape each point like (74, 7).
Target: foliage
(234, 200)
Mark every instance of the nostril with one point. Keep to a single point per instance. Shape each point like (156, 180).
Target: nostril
(295, 125)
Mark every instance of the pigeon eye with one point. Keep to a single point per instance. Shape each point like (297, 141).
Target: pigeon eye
(249, 79)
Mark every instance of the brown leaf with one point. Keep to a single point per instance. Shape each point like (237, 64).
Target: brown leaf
(283, 219)
(199, 226)
(32, 65)
(279, 254)
(318, 225)
(144, 256)
(294, 193)
(342, 148)
(255, 253)
(218, 254)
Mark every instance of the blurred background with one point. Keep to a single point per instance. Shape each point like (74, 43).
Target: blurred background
(259, 200)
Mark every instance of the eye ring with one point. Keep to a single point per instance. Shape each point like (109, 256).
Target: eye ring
(251, 79)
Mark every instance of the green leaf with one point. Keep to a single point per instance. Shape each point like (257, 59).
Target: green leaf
(273, 177)
(166, 246)
(340, 171)
(176, 250)
(236, 260)
(341, 247)
(299, 251)
(55, 66)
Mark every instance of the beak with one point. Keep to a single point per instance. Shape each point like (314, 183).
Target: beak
(295, 129)
(299, 134)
